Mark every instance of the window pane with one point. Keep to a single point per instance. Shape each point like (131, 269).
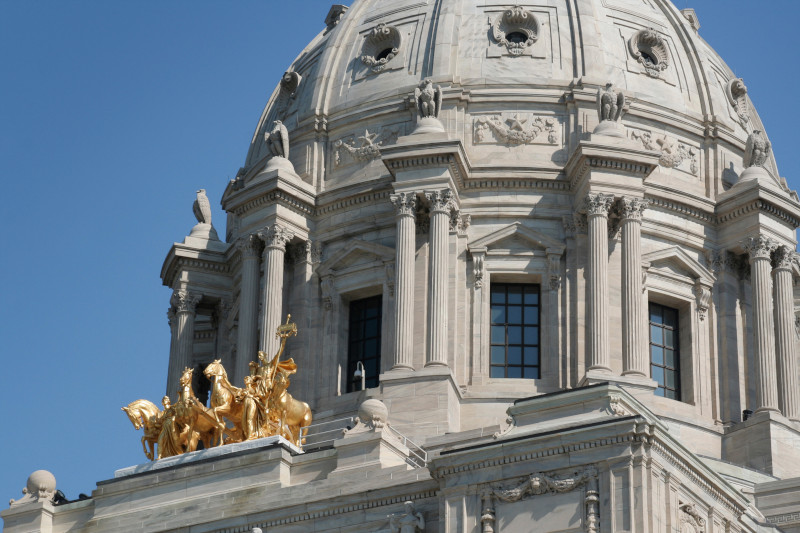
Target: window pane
(530, 372)
(531, 335)
(498, 355)
(532, 356)
(371, 367)
(670, 317)
(498, 294)
(659, 392)
(669, 376)
(656, 334)
(655, 314)
(531, 315)
(371, 312)
(531, 296)
(657, 355)
(514, 372)
(671, 394)
(497, 372)
(371, 328)
(371, 348)
(514, 335)
(669, 338)
(514, 314)
(515, 294)
(498, 334)
(364, 340)
(658, 375)
(669, 359)
(514, 355)
(498, 314)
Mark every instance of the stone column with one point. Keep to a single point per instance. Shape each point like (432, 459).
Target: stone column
(441, 205)
(405, 204)
(597, 207)
(634, 356)
(788, 393)
(759, 249)
(249, 248)
(185, 303)
(275, 238)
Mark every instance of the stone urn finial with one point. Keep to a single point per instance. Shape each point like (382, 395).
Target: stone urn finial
(41, 485)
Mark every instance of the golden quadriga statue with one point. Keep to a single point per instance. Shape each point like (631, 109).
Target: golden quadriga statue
(263, 408)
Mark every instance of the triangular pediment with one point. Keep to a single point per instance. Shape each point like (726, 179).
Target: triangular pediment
(517, 237)
(675, 261)
(354, 255)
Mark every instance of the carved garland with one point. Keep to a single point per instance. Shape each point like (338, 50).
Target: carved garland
(649, 49)
(515, 130)
(381, 45)
(516, 29)
(671, 156)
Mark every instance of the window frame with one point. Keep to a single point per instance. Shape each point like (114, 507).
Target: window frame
(352, 362)
(675, 347)
(525, 329)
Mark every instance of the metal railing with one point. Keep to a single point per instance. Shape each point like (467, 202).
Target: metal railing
(418, 457)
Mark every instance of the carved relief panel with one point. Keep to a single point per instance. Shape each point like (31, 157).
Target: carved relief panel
(515, 129)
(674, 153)
(363, 146)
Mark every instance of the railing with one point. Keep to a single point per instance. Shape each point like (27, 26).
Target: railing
(324, 433)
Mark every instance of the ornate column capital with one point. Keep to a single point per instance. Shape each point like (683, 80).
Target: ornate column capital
(275, 236)
(171, 315)
(248, 246)
(759, 247)
(441, 201)
(306, 252)
(783, 258)
(459, 223)
(405, 203)
(631, 208)
(185, 301)
(598, 204)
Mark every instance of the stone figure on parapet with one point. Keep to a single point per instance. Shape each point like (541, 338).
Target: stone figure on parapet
(263, 408)
(409, 521)
(610, 107)
(202, 208)
(277, 142)
(756, 151)
(428, 98)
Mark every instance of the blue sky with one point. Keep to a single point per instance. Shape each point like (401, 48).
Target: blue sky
(112, 115)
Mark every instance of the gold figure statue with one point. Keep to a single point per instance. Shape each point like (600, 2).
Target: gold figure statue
(263, 408)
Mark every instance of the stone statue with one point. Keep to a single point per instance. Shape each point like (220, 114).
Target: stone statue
(429, 103)
(278, 140)
(756, 150)
(610, 107)
(409, 521)
(202, 208)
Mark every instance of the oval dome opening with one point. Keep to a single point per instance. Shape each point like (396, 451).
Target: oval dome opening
(516, 37)
(383, 54)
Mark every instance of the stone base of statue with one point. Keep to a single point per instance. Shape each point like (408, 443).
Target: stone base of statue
(428, 125)
(609, 128)
(279, 163)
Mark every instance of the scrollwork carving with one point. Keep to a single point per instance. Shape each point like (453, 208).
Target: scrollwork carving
(702, 299)
(381, 45)
(516, 29)
(328, 287)
(554, 271)
(539, 483)
(369, 147)
(736, 91)
(649, 49)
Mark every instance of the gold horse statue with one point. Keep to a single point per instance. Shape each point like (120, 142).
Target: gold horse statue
(226, 400)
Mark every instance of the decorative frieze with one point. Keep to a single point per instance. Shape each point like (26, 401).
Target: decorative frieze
(363, 148)
(649, 49)
(516, 29)
(516, 129)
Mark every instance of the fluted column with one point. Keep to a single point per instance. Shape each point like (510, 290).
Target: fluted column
(405, 204)
(185, 304)
(597, 207)
(759, 249)
(441, 204)
(275, 238)
(634, 355)
(788, 393)
(249, 248)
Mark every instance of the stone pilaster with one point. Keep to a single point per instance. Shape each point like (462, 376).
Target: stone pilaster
(788, 393)
(441, 205)
(759, 249)
(185, 303)
(405, 204)
(634, 354)
(275, 238)
(249, 248)
(597, 207)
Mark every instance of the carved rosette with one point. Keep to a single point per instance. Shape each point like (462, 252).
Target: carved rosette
(632, 208)
(598, 204)
(649, 49)
(275, 236)
(757, 149)
(441, 201)
(516, 29)
(759, 247)
(185, 301)
(381, 45)
(404, 203)
(248, 246)
(736, 91)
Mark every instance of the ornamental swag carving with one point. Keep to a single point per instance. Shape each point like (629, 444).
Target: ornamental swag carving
(517, 129)
(673, 153)
(516, 29)
(368, 147)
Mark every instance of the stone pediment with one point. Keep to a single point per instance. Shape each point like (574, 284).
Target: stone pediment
(356, 255)
(673, 262)
(516, 238)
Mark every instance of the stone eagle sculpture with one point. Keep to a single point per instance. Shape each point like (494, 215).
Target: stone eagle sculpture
(756, 150)
(429, 99)
(202, 208)
(610, 104)
(278, 140)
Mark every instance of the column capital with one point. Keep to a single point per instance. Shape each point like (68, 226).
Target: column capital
(441, 201)
(185, 301)
(405, 203)
(275, 236)
(783, 258)
(598, 204)
(759, 247)
(632, 208)
(248, 246)
(459, 223)
(306, 252)
(171, 315)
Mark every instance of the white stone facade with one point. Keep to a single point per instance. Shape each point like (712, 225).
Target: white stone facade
(515, 170)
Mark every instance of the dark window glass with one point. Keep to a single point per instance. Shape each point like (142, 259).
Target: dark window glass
(514, 331)
(364, 340)
(664, 355)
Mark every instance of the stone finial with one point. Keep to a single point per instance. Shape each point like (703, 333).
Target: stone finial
(610, 107)
(756, 151)
(277, 142)
(428, 98)
(372, 415)
(41, 485)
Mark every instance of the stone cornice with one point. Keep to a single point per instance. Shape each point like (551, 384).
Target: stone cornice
(614, 157)
(271, 187)
(183, 257)
(427, 151)
(793, 219)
